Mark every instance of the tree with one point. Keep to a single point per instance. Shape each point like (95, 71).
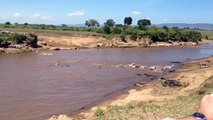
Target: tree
(63, 25)
(119, 25)
(143, 23)
(7, 23)
(165, 28)
(87, 23)
(110, 23)
(25, 23)
(92, 23)
(127, 21)
(107, 29)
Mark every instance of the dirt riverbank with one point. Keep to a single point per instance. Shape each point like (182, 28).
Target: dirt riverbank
(190, 75)
(75, 41)
(65, 41)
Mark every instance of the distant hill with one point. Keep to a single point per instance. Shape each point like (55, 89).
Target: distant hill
(204, 26)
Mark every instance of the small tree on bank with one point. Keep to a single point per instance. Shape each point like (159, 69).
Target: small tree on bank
(92, 23)
(127, 21)
(7, 23)
(143, 23)
(64, 25)
(110, 23)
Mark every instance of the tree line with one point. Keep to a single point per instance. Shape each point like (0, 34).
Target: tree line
(143, 29)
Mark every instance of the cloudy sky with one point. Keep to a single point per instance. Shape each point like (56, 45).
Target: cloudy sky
(77, 11)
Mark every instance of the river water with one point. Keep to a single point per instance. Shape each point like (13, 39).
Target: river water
(33, 88)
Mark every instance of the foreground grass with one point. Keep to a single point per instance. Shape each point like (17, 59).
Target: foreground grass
(178, 108)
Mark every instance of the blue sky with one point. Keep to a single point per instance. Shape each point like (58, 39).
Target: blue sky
(77, 11)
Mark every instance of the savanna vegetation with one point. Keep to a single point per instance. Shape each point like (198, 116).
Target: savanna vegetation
(143, 29)
(7, 38)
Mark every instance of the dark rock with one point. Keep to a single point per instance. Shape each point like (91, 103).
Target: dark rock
(176, 62)
(4, 44)
(2, 50)
(139, 74)
(149, 75)
(98, 46)
(57, 49)
(33, 43)
(44, 43)
(171, 83)
(172, 71)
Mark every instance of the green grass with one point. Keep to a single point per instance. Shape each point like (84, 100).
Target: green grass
(59, 32)
(205, 33)
(25, 50)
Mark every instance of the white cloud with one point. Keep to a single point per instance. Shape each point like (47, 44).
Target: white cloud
(77, 13)
(148, 18)
(2, 17)
(37, 15)
(42, 17)
(136, 12)
(165, 20)
(45, 17)
(17, 15)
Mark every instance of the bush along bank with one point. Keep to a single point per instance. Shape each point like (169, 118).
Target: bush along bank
(11, 42)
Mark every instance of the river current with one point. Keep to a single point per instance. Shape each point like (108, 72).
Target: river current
(35, 87)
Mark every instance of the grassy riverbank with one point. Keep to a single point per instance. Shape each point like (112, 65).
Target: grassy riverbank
(153, 110)
(153, 101)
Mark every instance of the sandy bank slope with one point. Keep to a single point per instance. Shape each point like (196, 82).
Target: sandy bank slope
(190, 75)
(70, 41)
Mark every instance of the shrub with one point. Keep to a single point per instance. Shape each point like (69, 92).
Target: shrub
(133, 37)
(32, 40)
(117, 30)
(114, 107)
(209, 85)
(25, 50)
(123, 37)
(107, 30)
(18, 38)
(99, 113)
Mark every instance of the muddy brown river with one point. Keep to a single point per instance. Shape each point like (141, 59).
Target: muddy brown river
(35, 87)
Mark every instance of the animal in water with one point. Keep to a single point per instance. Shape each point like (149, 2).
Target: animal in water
(168, 67)
(204, 64)
(152, 68)
(120, 66)
(137, 66)
(143, 67)
(132, 65)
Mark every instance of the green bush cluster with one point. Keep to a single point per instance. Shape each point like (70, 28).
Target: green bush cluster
(17, 38)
